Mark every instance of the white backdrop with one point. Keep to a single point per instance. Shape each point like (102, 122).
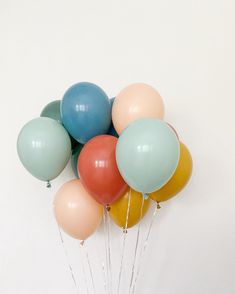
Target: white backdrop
(185, 49)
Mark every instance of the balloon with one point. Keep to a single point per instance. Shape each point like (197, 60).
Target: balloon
(179, 179)
(76, 212)
(52, 110)
(147, 154)
(44, 148)
(98, 170)
(111, 130)
(134, 102)
(118, 209)
(86, 111)
(74, 159)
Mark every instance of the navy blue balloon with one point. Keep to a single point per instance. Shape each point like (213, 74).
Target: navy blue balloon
(111, 130)
(85, 111)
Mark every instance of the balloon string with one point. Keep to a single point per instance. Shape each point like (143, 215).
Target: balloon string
(124, 242)
(68, 262)
(106, 252)
(109, 250)
(144, 247)
(89, 266)
(104, 277)
(136, 245)
(83, 268)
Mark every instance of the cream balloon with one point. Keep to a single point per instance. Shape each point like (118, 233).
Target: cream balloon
(76, 212)
(134, 102)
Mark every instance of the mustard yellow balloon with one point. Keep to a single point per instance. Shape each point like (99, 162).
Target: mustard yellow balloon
(118, 209)
(179, 179)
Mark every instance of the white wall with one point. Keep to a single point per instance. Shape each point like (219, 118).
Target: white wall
(185, 49)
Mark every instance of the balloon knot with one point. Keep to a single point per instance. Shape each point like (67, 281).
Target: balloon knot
(48, 184)
(145, 195)
(107, 207)
(82, 242)
(158, 205)
(124, 231)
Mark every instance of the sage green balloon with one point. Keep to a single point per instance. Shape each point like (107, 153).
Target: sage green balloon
(44, 148)
(52, 110)
(147, 154)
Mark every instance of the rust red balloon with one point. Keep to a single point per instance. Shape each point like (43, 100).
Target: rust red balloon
(98, 169)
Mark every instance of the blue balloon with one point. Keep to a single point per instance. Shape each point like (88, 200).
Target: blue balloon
(74, 159)
(85, 111)
(112, 130)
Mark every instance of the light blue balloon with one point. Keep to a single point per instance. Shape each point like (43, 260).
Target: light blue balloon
(85, 111)
(44, 148)
(147, 154)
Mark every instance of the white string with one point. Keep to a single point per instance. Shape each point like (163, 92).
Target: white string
(83, 268)
(104, 277)
(136, 246)
(106, 251)
(89, 265)
(68, 262)
(109, 252)
(124, 241)
(143, 249)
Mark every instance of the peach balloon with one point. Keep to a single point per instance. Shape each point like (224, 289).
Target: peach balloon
(136, 101)
(76, 212)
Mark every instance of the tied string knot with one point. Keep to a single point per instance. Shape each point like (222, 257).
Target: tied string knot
(48, 184)
(107, 207)
(145, 196)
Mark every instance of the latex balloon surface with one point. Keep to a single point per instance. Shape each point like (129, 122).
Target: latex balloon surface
(98, 170)
(44, 148)
(52, 110)
(74, 159)
(147, 154)
(112, 130)
(179, 179)
(86, 111)
(118, 210)
(76, 212)
(134, 102)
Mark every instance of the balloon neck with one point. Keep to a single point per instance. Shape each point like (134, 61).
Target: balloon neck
(82, 242)
(145, 196)
(48, 184)
(158, 205)
(107, 207)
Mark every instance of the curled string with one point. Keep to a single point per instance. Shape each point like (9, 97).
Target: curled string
(124, 241)
(83, 268)
(89, 266)
(136, 245)
(144, 247)
(68, 262)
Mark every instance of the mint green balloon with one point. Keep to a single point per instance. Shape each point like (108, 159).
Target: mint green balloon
(147, 154)
(44, 148)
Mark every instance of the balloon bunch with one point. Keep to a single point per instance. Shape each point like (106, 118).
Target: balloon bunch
(122, 153)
